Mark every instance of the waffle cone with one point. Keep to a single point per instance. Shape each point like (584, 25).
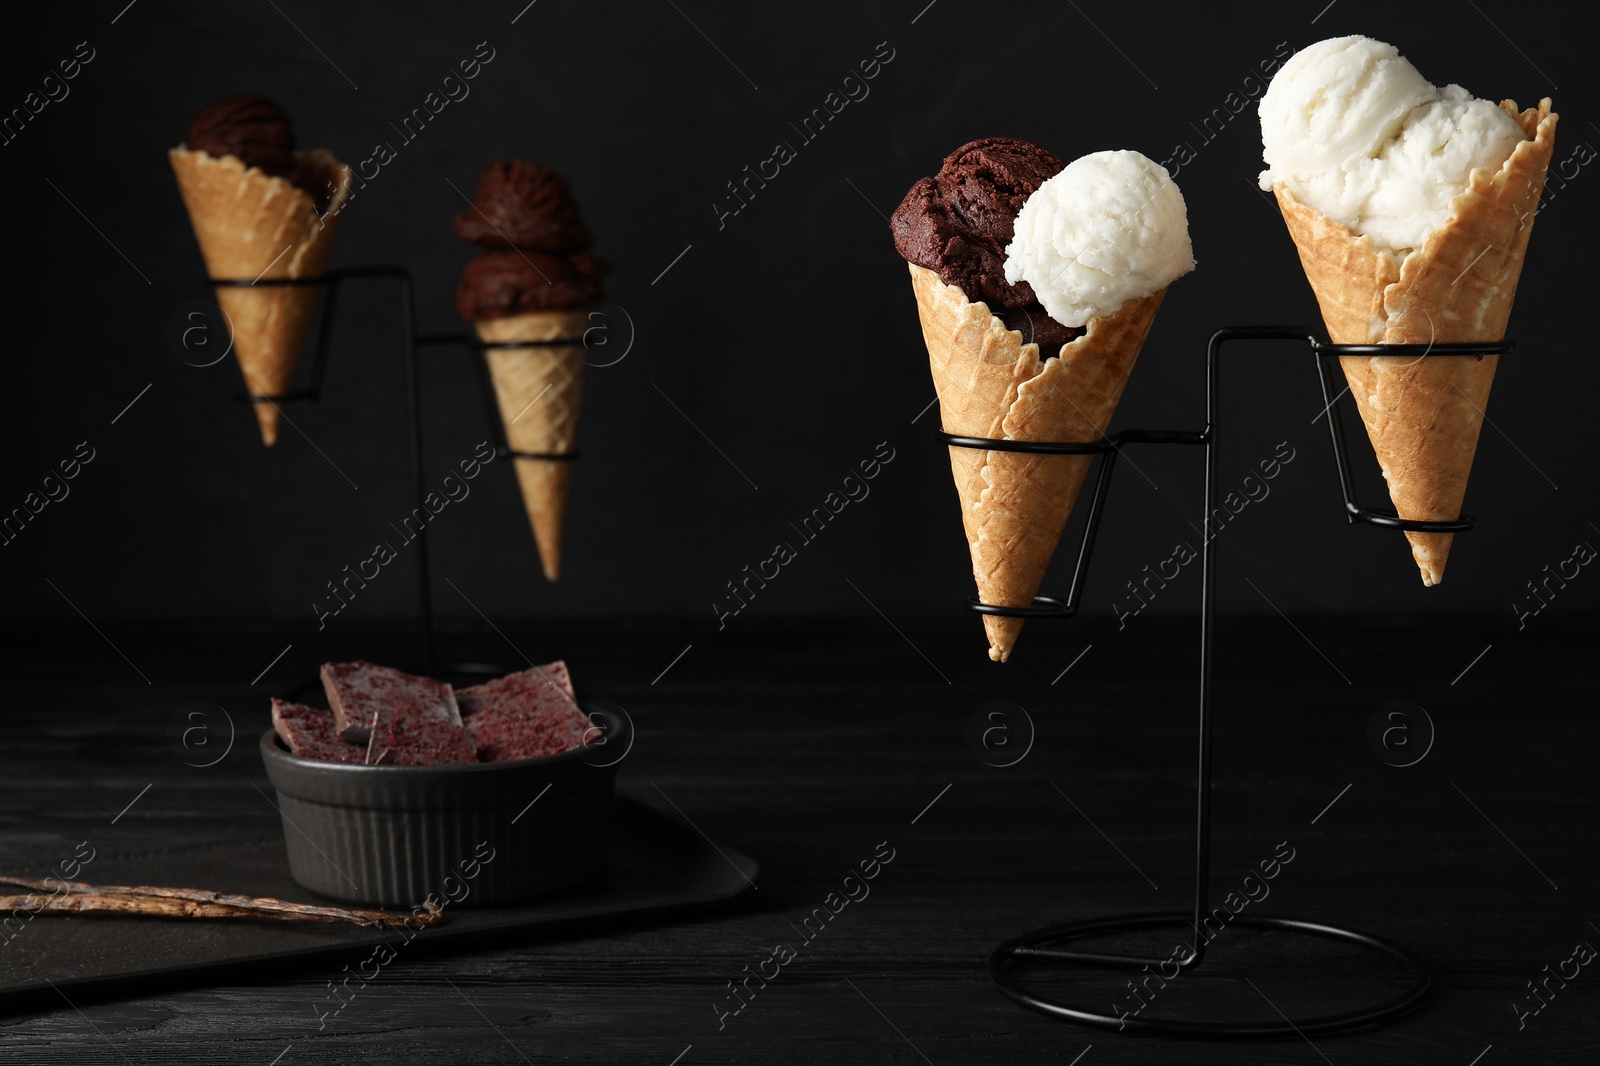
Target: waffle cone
(1422, 414)
(991, 384)
(540, 393)
(250, 224)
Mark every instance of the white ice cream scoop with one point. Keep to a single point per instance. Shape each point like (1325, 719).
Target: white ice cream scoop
(1352, 130)
(1109, 228)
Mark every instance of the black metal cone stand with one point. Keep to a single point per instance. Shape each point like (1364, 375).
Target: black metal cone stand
(331, 281)
(1047, 946)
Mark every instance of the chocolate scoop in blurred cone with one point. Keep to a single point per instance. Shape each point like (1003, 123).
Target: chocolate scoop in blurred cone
(1423, 414)
(534, 282)
(256, 224)
(540, 394)
(991, 384)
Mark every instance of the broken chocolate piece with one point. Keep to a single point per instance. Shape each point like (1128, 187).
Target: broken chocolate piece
(357, 691)
(502, 737)
(420, 740)
(525, 715)
(311, 734)
(540, 682)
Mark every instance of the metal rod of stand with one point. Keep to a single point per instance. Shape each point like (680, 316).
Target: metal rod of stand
(414, 408)
(331, 282)
(1102, 486)
(1347, 484)
(1208, 615)
(414, 451)
(1208, 606)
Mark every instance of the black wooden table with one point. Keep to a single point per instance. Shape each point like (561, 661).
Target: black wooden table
(812, 750)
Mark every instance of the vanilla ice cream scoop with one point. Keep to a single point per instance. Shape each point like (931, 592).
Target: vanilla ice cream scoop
(1109, 228)
(1352, 130)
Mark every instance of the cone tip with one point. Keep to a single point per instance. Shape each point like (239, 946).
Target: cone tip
(267, 420)
(548, 541)
(1430, 562)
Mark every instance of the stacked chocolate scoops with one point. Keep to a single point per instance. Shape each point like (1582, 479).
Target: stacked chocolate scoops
(1411, 207)
(260, 211)
(382, 716)
(1036, 284)
(533, 282)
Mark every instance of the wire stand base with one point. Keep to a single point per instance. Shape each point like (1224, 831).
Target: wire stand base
(1042, 945)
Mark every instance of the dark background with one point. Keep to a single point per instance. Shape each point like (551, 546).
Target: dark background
(810, 729)
(789, 337)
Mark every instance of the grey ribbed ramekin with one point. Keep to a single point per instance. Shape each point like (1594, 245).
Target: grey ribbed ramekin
(393, 835)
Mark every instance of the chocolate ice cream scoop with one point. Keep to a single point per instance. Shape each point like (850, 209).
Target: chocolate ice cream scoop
(523, 205)
(497, 284)
(253, 128)
(1037, 327)
(958, 223)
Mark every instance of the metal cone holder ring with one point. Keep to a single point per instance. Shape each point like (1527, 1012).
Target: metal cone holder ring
(319, 358)
(1048, 946)
(496, 424)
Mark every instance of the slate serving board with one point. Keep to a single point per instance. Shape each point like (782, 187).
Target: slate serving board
(657, 865)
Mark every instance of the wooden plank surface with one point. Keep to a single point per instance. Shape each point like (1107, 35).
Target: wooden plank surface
(812, 751)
